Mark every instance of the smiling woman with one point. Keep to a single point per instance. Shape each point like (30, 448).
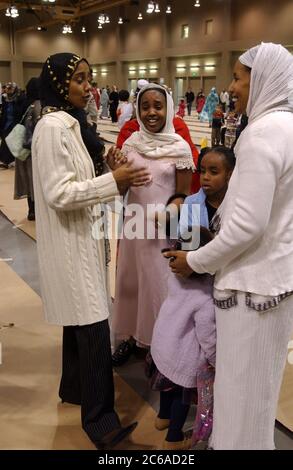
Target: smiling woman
(252, 256)
(152, 105)
(240, 87)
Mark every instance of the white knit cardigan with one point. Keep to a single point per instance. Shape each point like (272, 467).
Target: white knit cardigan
(67, 195)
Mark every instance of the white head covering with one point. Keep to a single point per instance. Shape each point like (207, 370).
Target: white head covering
(141, 83)
(271, 83)
(159, 144)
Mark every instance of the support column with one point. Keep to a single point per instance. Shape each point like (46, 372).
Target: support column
(164, 69)
(16, 70)
(120, 82)
(225, 71)
(119, 75)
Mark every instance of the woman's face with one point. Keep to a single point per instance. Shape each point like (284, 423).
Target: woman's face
(79, 86)
(153, 110)
(239, 87)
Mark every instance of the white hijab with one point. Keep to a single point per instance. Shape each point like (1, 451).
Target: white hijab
(158, 144)
(271, 83)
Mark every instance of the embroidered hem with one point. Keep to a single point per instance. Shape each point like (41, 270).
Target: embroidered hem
(231, 301)
(268, 304)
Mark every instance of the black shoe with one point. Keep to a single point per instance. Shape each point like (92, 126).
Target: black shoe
(31, 216)
(113, 438)
(123, 353)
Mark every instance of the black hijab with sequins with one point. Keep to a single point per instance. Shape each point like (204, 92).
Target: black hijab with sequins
(54, 90)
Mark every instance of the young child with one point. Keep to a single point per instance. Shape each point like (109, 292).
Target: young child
(217, 122)
(139, 294)
(183, 346)
(181, 109)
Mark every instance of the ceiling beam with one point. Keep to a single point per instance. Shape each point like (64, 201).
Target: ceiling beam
(61, 14)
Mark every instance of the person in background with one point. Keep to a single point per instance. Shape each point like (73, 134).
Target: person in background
(200, 101)
(252, 256)
(209, 107)
(73, 258)
(23, 177)
(113, 102)
(189, 96)
(181, 108)
(125, 109)
(217, 122)
(97, 95)
(231, 123)
(92, 111)
(104, 104)
(224, 100)
(13, 107)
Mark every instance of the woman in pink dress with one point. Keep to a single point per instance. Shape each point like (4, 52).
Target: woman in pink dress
(141, 283)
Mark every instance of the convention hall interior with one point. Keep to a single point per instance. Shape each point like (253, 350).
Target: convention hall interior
(181, 44)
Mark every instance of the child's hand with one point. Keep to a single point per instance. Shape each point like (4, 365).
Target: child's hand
(115, 158)
(178, 263)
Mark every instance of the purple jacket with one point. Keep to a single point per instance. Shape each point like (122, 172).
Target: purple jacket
(184, 335)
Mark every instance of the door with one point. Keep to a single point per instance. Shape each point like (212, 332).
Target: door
(208, 84)
(132, 84)
(195, 85)
(180, 90)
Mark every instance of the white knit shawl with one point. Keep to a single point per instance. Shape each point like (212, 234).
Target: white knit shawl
(160, 144)
(271, 83)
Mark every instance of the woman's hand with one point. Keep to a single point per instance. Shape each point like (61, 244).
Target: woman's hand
(178, 263)
(115, 158)
(127, 175)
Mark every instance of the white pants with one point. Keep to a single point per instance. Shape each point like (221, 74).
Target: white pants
(251, 356)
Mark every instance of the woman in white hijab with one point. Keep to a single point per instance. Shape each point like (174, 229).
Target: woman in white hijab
(252, 256)
(141, 284)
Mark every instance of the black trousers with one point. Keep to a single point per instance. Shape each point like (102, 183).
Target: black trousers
(5, 154)
(87, 377)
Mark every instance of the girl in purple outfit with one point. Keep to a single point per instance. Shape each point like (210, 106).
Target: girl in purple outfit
(184, 338)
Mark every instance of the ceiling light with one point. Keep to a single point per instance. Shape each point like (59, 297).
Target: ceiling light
(150, 7)
(83, 30)
(120, 21)
(168, 9)
(157, 9)
(139, 16)
(12, 12)
(197, 3)
(66, 29)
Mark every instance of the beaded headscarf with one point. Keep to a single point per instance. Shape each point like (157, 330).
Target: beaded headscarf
(54, 92)
(55, 78)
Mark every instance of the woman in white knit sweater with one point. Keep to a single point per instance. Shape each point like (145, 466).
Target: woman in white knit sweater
(253, 255)
(72, 261)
